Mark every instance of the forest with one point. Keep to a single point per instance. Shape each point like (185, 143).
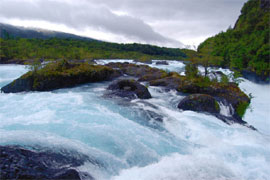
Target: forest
(75, 49)
(246, 45)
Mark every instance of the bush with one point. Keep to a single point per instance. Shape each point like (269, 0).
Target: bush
(191, 70)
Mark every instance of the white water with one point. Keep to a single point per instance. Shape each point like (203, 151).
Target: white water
(126, 140)
(176, 66)
(225, 110)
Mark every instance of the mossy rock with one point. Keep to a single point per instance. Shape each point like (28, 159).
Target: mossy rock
(129, 88)
(241, 108)
(200, 103)
(143, 72)
(60, 75)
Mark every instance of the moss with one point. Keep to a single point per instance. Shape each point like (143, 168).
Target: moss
(241, 109)
(63, 74)
(217, 106)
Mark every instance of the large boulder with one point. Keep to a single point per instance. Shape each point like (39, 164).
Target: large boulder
(21, 163)
(60, 75)
(207, 103)
(129, 88)
(200, 103)
(143, 72)
(162, 63)
(171, 81)
(225, 92)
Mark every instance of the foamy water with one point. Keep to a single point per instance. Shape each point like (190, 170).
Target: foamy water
(126, 141)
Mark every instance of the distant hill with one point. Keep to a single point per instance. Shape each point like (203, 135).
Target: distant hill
(22, 44)
(29, 33)
(246, 46)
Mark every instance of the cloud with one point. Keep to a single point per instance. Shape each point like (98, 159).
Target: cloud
(190, 21)
(83, 15)
(161, 22)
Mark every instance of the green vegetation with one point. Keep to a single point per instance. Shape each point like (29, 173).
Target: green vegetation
(241, 108)
(191, 70)
(56, 48)
(247, 45)
(63, 74)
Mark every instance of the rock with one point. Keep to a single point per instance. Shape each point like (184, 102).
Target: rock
(209, 104)
(145, 62)
(12, 61)
(259, 79)
(143, 72)
(231, 120)
(20, 163)
(219, 73)
(19, 85)
(129, 88)
(199, 103)
(162, 63)
(229, 92)
(171, 81)
(68, 174)
(60, 75)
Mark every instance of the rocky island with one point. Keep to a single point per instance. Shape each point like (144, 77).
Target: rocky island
(203, 94)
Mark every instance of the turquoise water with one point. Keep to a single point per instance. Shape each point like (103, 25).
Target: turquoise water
(127, 142)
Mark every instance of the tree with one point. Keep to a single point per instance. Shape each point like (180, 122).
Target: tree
(36, 65)
(207, 59)
(191, 70)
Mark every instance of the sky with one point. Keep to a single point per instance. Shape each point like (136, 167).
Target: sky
(170, 23)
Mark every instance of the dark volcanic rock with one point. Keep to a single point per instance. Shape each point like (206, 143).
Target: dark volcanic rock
(129, 88)
(162, 63)
(20, 163)
(200, 103)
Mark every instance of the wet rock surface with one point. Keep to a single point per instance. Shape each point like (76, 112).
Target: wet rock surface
(20, 163)
(59, 75)
(129, 88)
(199, 103)
(64, 75)
(162, 63)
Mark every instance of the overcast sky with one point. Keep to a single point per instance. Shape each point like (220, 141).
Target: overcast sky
(171, 23)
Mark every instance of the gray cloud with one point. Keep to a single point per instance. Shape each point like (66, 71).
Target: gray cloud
(84, 15)
(162, 22)
(182, 19)
(176, 9)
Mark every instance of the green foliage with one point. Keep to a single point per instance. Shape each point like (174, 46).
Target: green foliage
(217, 106)
(224, 79)
(204, 82)
(191, 70)
(241, 108)
(63, 74)
(236, 77)
(191, 54)
(54, 48)
(247, 45)
(34, 66)
(204, 57)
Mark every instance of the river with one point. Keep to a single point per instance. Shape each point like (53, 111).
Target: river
(128, 141)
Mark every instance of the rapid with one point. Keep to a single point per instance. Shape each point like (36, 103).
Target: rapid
(142, 139)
